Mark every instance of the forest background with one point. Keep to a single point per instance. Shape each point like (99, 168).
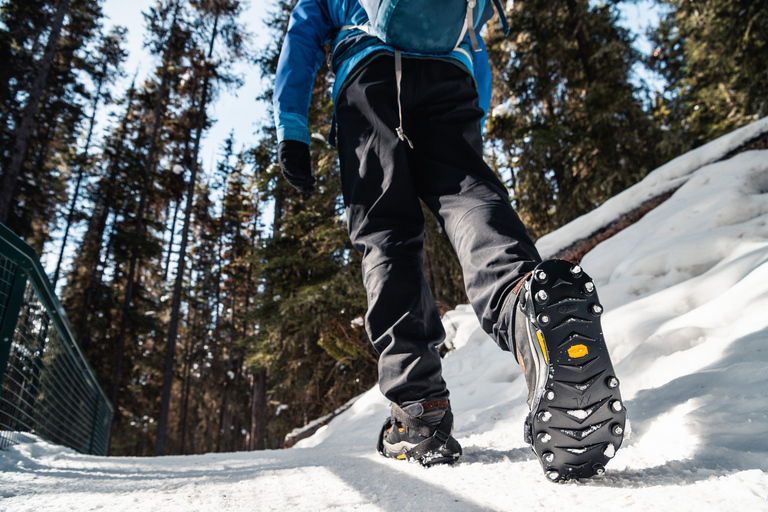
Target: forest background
(219, 308)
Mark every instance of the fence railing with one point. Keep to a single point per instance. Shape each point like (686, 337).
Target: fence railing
(47, 386)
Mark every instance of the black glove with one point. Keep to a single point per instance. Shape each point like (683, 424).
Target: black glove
(295, 163)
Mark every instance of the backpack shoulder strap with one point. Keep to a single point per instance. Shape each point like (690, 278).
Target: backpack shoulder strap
(502, 17)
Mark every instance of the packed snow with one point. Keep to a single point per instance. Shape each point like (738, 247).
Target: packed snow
(685, 292)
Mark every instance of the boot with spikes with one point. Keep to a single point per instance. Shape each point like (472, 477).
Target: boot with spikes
(577, 419)
(420, 432)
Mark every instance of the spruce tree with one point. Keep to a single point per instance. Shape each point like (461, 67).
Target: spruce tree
(169, 39)
(104, 71)
(713, 57)
(85, 284)
(220, 17)
(574, 132)
(35, 93)
(42, 108)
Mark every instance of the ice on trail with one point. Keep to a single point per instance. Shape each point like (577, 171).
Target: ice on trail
(685, 292)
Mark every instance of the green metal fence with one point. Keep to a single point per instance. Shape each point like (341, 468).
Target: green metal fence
(47, 386)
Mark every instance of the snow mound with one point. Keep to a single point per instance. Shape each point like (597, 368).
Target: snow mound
(664, 179)
(685, 291)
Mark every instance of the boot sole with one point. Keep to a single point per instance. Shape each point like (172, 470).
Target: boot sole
(577, 418)
(426, 461)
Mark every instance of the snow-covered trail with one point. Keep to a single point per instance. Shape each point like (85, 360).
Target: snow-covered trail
(686, 297)
(353, 478)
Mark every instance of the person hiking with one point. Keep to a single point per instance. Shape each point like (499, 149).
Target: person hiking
(408, 128)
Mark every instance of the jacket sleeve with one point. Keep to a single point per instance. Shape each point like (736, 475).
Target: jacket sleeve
(482, 67)
(482, 70)
(301, 55)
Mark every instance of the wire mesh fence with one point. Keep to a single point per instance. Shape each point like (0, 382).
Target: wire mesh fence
(47, 386)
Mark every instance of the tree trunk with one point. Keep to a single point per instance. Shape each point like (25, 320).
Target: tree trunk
(98, 223)
(187, 372)
(258, 410)
(170, 243)
(148, 169)
(162, 424)
(82, 162)
(230, 384)
(24, 133)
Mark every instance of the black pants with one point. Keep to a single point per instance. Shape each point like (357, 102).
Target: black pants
(383, 180)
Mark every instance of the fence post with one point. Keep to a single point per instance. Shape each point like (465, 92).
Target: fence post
(10, 317)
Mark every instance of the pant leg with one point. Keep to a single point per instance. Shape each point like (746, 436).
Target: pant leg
(386, 224)
(492, 244)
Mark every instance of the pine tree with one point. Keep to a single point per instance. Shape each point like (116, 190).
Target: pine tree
(170, 42)
(41, 106)
(575, 133)
(712, 54)
(23, 26)
(222, 17)
(120, 337)
(85, 283)
(106, 69)
(35, 93)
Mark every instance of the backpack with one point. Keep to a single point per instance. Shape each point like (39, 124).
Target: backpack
(433, 27)
(426, 26)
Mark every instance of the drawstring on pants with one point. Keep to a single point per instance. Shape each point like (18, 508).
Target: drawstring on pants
(398, 79)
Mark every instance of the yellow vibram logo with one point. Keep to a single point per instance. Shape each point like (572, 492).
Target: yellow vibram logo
(401, 456)
(543, 346)
(578, 351)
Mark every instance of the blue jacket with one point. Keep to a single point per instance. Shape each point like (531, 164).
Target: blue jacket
(313, 23)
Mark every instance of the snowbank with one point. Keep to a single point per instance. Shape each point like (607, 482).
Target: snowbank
(664, 179)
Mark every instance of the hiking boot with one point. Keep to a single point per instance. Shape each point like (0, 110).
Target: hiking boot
(577, 418)
(420, 432)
